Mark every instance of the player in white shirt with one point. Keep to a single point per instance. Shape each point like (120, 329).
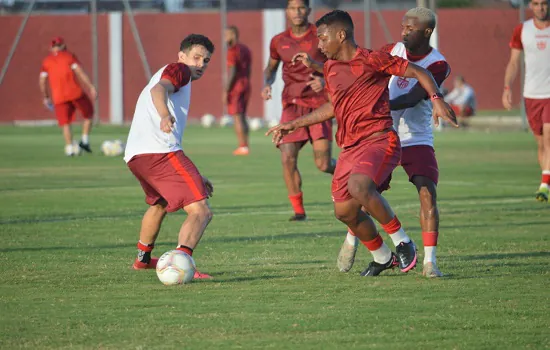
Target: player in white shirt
(154, 154)
(462, 99)
(533, 37)
(412, 114)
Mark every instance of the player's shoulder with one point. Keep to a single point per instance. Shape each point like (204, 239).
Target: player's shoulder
(281, 36)
(175, 67)
(437, 55)
(389, 47)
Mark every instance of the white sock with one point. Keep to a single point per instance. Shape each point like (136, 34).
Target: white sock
(381, 255)
(399, 236)
(351, 239)
(68, 149)
(429, 254)
(543, 185)
(85, 139)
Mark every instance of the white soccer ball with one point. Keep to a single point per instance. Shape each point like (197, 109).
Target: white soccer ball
(76, 150)
(226, 120)
(175, 267)
(112, 148)
(208, 120)
(256, 124)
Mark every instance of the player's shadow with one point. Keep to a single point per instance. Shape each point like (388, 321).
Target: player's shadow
(220, 278)
(500, 256)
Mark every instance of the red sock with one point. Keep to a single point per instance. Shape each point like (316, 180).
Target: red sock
(373, 244)
(393, 226)
(145, 247)
(297, 202)
(546, 177)
(185, 249)
(429, 239)
(243, 145)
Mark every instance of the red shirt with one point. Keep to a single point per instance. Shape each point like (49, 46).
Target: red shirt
(59, 68)
(282, 48)
(178, 74)
(240, 57)
(359, 92)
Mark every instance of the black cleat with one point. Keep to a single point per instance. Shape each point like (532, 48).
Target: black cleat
(374, 268)
(406, 254)
(298, 217)
(85, 147)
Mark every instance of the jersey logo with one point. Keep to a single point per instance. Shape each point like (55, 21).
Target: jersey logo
(541, 45)
(402, 83)
(284, 47)
(305, 45)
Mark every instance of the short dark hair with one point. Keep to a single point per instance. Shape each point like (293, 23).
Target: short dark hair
(306, 2)
(235, 30)
(337, 17)
(196, 39)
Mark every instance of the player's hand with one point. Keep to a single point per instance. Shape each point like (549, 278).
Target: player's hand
(209, 186)
(93, 93)
(507, 99)
(302, 57)
(48, 103)
(224, 97)
(280, 131)
(316, 83)
(442, 110)
(166, 123)
(266, 92)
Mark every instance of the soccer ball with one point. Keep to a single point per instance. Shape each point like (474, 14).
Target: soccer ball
(112, 148)
(226, 120)
(175, 267)
(256, 124)
(208, 120)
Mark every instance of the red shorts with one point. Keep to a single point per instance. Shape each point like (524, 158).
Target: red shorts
(237, 102)
(65, 111)
(309, 133)
(375, 157)
(468, 111)
(169, 176)
(538, 113)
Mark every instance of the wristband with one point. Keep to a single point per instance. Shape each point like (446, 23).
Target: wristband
(436, 96)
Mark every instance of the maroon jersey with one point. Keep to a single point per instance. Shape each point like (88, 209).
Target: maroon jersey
(240, 57)
(359, 92)
(282, 48)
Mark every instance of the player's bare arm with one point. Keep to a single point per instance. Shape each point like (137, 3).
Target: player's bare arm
(231, 79)
(83, 77)
(43, 83)
(321, 114)
(159, 94)
(410, 99)
(440, 108)
(270, 72)
(308, 61)
(510, 76)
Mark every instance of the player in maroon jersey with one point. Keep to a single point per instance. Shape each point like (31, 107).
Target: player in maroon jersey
(357, 83)
(302, 93)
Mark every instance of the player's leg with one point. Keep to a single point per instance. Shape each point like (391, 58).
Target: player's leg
(321, 136)
(538, 115)
(544, 192)
(64, 113)
(86, 108)
(237, 108)
(292, 177)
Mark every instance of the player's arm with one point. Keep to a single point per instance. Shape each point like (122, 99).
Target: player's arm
(43, 84)
(83, 77)
(159, 94)
(509, 76)
(270, 73)
(308, 61)
(231, 78)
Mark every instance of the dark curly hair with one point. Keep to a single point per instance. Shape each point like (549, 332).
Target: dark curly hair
(306, 2)
(196, 39)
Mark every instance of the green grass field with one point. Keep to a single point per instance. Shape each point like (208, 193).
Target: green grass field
(69, 226)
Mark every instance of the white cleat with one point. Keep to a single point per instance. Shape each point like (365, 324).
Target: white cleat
(431, 271)
(346, 257)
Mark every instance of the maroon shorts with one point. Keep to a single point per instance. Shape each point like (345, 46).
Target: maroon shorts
(420, 161)
(309, 133)
(169, 176)
(538, 113)
(237, 102)
(65, 111)
(375, 157)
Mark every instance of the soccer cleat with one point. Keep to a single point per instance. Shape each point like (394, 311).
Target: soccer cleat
(138, 265)
(542, 194)
(374, 268)
(298, 217)
(430, 270)
(406, 254)
(85, 147)
(199, 276)
(241, 151)
(346, 257)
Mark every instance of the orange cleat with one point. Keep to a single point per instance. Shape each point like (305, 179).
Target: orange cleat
(200, 276)
(138, 265)
(241, 151)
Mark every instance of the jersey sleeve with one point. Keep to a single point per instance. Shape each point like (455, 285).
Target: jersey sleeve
(388, 64)
(440, 71)
(74, 62)
(515, 42)
(273, 53)
(178, 74)
(44, 69)
(387, 48)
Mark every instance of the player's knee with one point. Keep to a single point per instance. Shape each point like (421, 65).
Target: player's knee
(288, 160)
(323, 164)
(344, 215)
(201, 211)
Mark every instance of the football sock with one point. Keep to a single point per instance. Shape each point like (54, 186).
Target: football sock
(379, 250)
(297, 202)
(396, 232)
(185, 249)
(429, 239)
(144, 252)
(545, 178)
(350, 238)
(85, 139)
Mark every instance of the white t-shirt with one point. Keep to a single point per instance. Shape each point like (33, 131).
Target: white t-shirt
(535, 43)
(145, 134)
(414, 124)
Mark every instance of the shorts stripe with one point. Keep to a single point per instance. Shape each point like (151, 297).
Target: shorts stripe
(180, 169)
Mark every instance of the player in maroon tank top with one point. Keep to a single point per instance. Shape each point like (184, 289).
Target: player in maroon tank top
(302, 93)
(357, 82)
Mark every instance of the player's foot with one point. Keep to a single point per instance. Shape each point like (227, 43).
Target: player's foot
(542, 194)
(85, 147)
(374, 268)
(430, 270)
(199, 276)
(346, 257)
(241, 151)
(406, 254)
(298, 217)
(138, 265)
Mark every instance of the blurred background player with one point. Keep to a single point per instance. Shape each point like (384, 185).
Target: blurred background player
(357, 82)
(62, 70)
(462, 99)
(303, 92)
(154, 154)
(237, 91)
(533, 37)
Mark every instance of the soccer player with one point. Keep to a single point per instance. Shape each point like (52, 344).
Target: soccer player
(357, 83)
(533, 37)
(412, 117)
(62, 70)
(154, 154)
(302, 93)
(462, 99)
(237, 91)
